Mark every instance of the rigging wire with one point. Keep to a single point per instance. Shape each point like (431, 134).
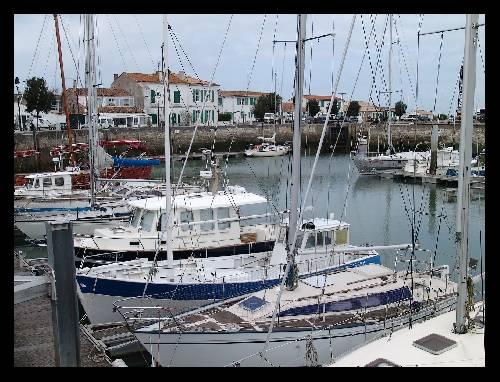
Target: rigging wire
(126, 41)
(438, 70)
(292, 249)
(35, 55)
(204, 101)
(144, 40)
(117, 44)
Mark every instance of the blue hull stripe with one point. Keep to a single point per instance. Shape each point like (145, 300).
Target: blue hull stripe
(51, 209)
(369, 301)
(199, 291)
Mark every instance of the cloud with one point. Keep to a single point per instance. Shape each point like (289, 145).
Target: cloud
(133, 43)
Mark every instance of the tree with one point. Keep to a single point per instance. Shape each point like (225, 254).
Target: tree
(353, 109)
(442, 117)
(38, 97)
(400, 108)
(335, 107)
(266, 104)
(313, 107)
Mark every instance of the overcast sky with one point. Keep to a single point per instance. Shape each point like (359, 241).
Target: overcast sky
(132, 43)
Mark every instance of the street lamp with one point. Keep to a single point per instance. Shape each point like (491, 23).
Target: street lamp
(16, 82)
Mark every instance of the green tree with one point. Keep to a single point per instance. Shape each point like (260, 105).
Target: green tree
(442, 117)
(353, 109)
(400, 108)
(313, 107)
(38, 97)
(266, 104)
(335, 107)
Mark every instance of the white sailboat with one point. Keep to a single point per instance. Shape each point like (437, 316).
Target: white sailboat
(367, 164)
(455, 338)
(323, 313)
(204, 255)
(268, 148)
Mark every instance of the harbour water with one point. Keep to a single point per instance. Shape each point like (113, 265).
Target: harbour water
(380, 211)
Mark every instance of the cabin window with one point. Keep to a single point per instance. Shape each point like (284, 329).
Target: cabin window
(341, 237)
(298, 241)
(162, 223)
(220, 101)
(136, 217)
(207, 214)
(186, 217)
(328, 237)
(223, 213)
(47, 182)
(311, 240)
(319, 238)
(37, 183)
(136, 121)
(147, 220)
(30, 183)
(59, 182)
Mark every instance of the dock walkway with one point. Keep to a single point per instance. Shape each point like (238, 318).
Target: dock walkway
(33, 336)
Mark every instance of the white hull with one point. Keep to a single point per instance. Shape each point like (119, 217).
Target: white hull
(256, 153)
(287, 348)
(35, 229)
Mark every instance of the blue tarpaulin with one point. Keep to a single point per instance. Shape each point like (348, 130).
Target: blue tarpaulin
(124, 162)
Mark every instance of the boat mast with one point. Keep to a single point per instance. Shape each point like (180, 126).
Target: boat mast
(166, 115)
(389, 135)
(64, 95)
(295, 182)
(462, 226)
(90, 81)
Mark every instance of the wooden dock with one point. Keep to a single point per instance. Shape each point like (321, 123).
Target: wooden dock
(428, 178)
(33, 331)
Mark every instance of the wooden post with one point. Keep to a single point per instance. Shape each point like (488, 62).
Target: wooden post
(64, 302)
(434, 147)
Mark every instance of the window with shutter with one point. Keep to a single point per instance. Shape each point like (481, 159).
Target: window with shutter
(177, 96)
(194, 96)
(153, 95)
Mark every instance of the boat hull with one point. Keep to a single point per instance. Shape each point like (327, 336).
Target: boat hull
(35, 229)
(287, 345)
(366, 165)
(98, 294)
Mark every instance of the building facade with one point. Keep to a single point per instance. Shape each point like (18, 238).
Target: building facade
(239, 103)
(191, 100)
(323, 101)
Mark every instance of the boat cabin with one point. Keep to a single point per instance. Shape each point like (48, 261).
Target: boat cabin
(51, 182)
(198, 219)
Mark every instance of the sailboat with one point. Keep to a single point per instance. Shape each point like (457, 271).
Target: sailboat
(205, 255)
(454, 338)
(367, 164)
(323, 313)
(268, 148)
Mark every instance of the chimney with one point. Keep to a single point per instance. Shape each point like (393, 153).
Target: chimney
(115, 76)
(74, 84)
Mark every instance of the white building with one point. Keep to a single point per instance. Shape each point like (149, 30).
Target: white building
(239, 104)
(323, 101)
(187, 96)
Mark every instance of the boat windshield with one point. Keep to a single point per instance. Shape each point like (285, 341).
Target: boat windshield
(30, 183)
(147, 220)
(136, 216)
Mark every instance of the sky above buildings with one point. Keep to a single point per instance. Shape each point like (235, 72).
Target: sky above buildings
(248, 57)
